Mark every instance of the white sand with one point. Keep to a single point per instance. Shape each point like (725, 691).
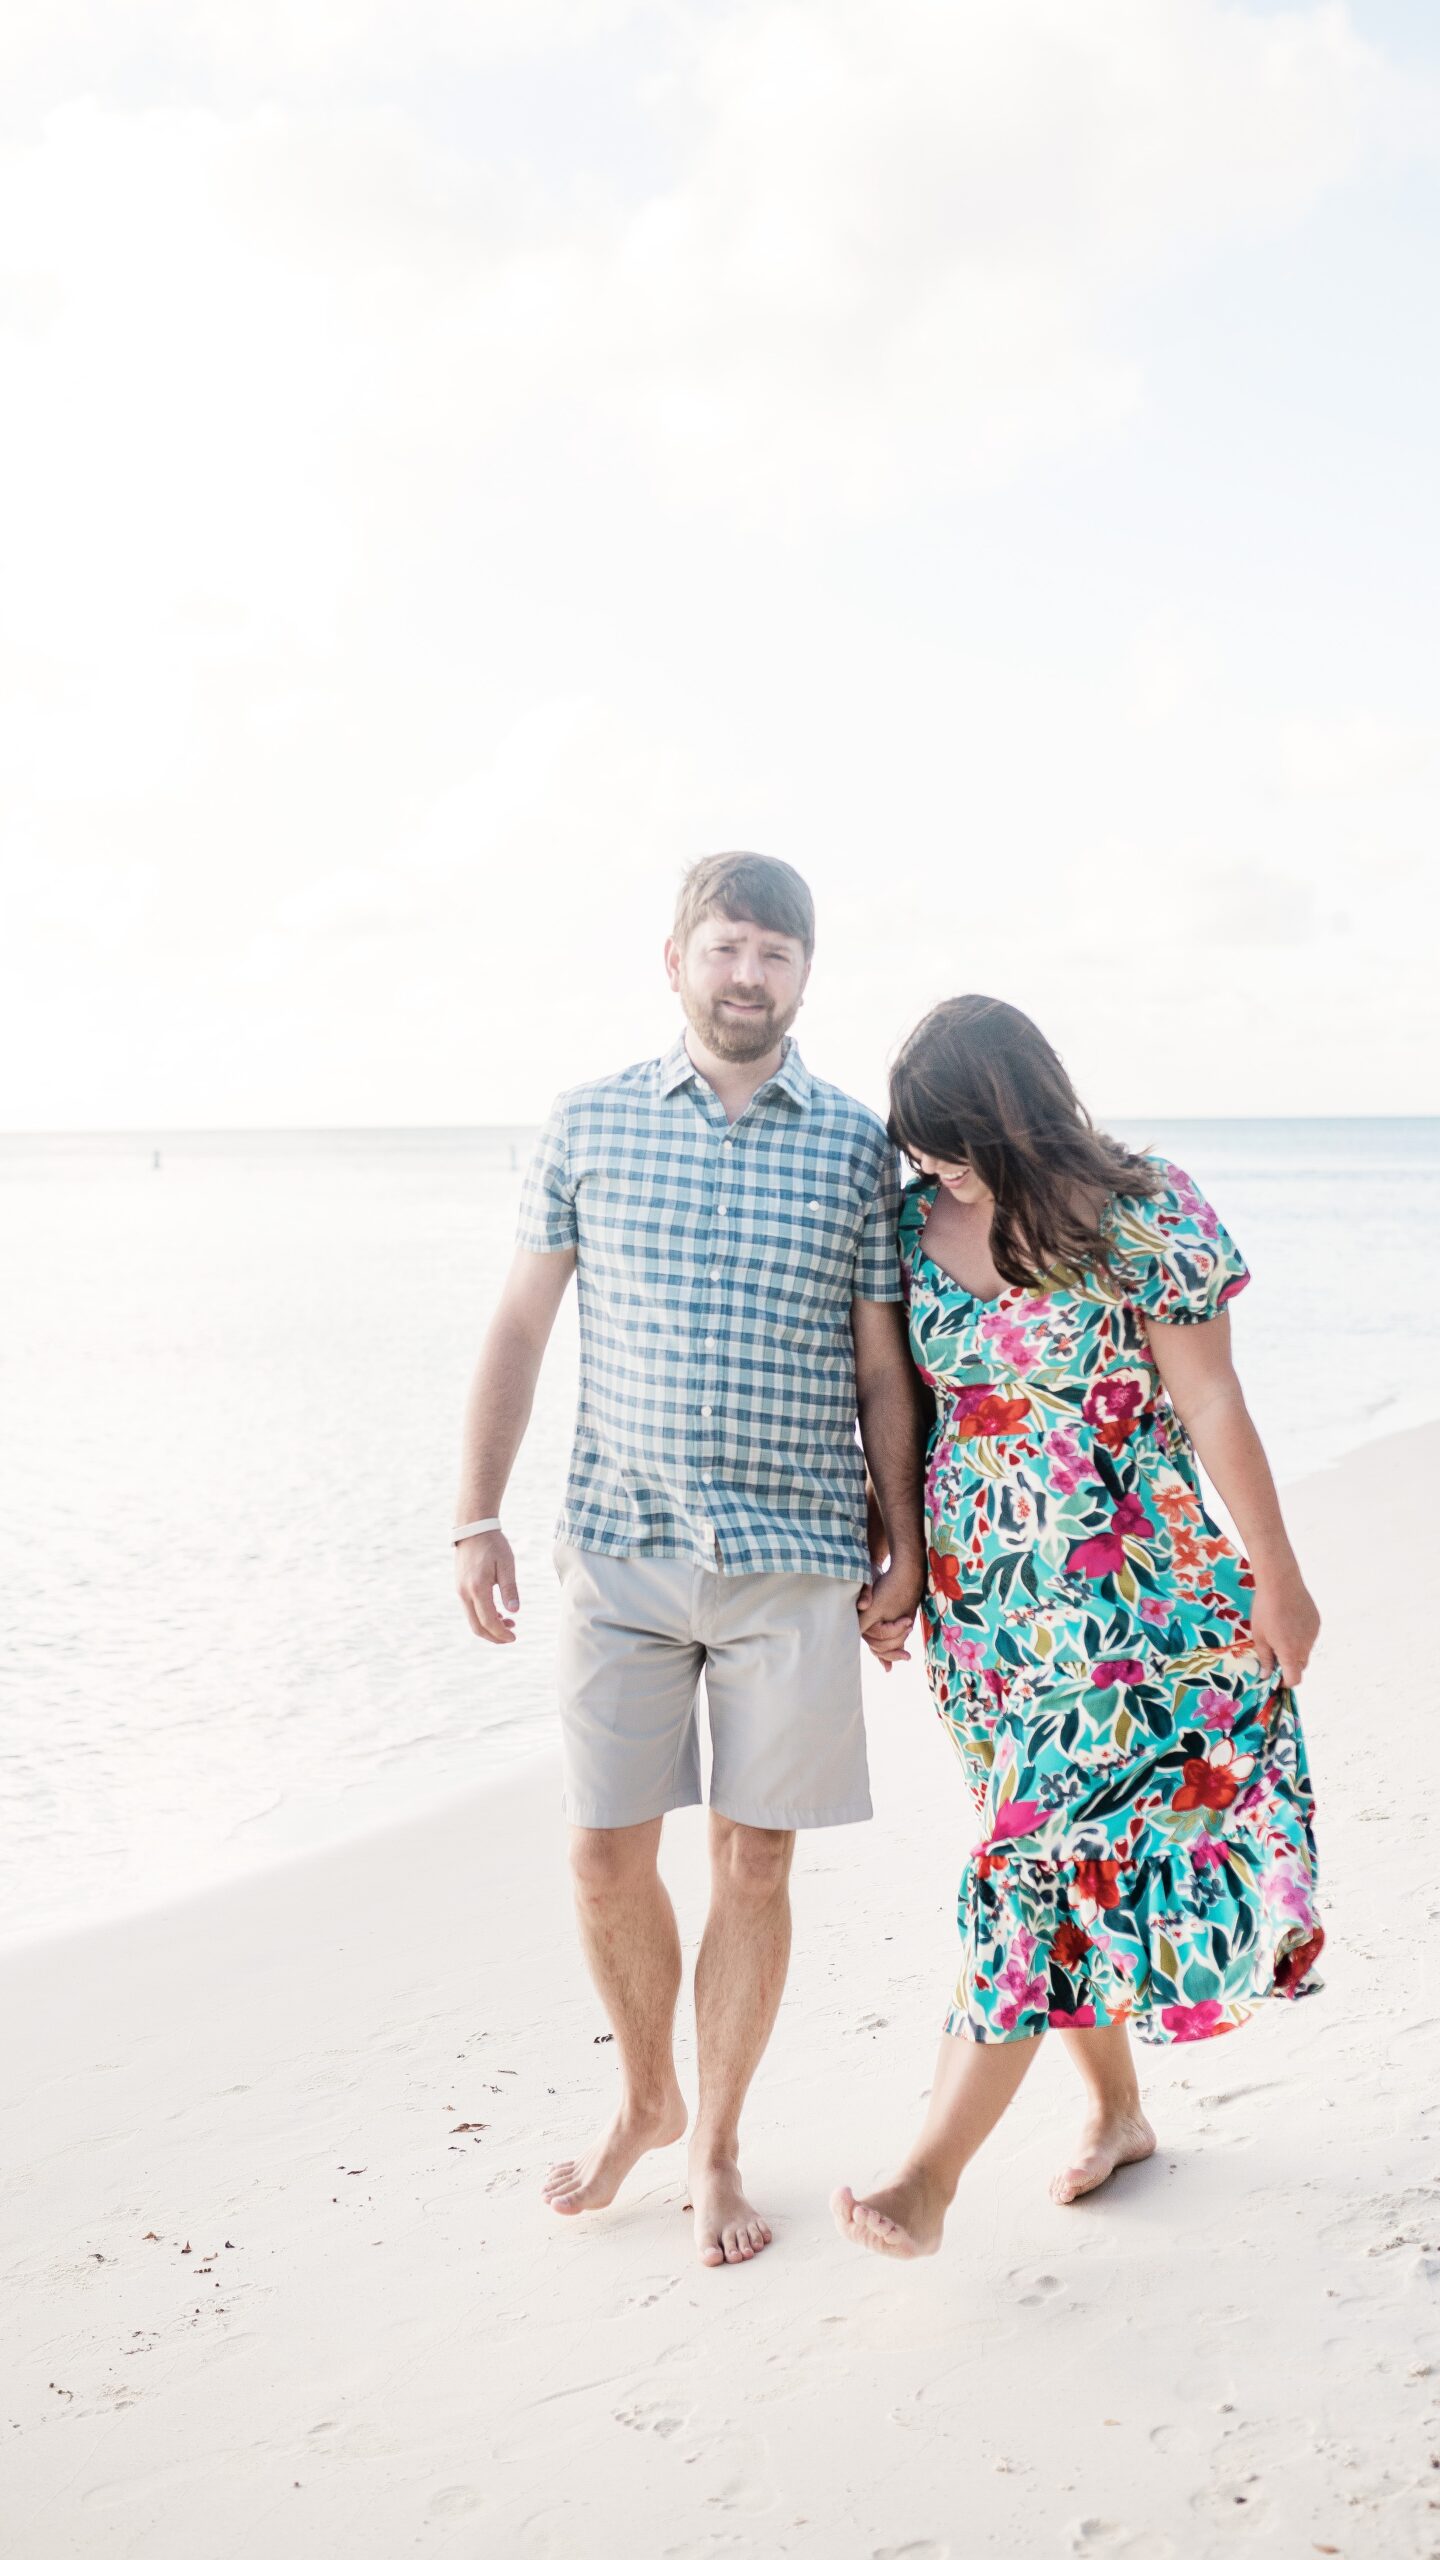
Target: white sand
(379, 2342)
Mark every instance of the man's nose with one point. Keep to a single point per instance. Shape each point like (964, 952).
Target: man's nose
(747, 971)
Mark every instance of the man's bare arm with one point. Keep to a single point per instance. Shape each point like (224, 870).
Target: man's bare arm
(894, 1420)
(497, 1411)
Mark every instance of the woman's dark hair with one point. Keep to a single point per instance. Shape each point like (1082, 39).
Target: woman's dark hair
(977, 1084)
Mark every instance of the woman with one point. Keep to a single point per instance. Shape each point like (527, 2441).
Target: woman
(1115, 1677)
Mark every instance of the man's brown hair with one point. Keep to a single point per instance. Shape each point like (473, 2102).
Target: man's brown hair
(750, 888)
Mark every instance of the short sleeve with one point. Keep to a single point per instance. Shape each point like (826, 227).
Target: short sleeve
(877, 1262)
(547, 1222)
(1173, 1259)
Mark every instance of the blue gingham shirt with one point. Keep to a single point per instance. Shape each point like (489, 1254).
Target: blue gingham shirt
(716, 1264)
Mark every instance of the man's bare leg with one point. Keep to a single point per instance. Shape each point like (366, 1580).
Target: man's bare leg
(627, 1928)
(1115, 2130)
(739, 1976)
(973, 2086)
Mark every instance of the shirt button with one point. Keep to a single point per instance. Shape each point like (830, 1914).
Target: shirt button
(709, 1341)
(715, 1274)
(721, 1208)
(814, 1208)
(706, 1411)
(707, 1478)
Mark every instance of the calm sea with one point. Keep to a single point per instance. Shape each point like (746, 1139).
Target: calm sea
(231, 1373)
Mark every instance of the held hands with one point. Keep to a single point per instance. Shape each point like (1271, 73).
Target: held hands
(484, 1565)
(1284, 1623)
(886, 1607)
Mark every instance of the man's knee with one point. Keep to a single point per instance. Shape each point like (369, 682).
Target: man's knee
(607, 1863)
(753, 1866)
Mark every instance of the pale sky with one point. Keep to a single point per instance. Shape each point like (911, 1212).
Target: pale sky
(466, 458)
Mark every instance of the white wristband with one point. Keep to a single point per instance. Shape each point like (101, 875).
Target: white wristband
(471, 1529)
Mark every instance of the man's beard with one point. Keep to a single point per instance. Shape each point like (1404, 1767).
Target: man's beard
(737, 1037)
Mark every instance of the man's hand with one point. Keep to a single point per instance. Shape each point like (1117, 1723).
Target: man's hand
(886, 1609)
(483, 1566)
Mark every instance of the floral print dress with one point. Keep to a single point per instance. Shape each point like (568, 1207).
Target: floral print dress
(1144, 1802)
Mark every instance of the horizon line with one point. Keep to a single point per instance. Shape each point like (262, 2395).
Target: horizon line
(479, 1128)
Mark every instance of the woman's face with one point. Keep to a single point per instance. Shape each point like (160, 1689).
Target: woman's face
(961, 1180)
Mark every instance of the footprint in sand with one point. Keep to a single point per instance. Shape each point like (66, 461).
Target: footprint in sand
(462, 2500)
(1038, 2288)
(654, 2418)
(1103, 2535)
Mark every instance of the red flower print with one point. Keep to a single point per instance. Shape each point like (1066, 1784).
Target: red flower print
(1095, 1881)
(1213, 1783)
(1291, 1970)
(1103, 1554)
(1114, 1405)
(1205, 1787)
(1081, 2017)
(1121, 1672)
(978, 1413)
(1069, 1944)
(945, 1577)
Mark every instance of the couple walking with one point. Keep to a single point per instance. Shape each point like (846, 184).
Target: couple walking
(1033, 1343)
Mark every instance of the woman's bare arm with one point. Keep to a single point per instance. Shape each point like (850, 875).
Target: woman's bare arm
(1198, 1371)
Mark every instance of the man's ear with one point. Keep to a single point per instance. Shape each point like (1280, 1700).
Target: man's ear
(672, 961)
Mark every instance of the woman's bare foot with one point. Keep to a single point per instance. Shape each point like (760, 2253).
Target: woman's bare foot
(904, 2220)
(1108, 2143)
(728, 2230)
(582, 2186)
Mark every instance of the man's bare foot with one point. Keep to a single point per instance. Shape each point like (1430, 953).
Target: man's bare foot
(1108, 2143)
(728, 2230)
(582, 2186)
(904, 2220)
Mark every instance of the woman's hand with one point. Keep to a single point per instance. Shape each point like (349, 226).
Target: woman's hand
(1284, 1623)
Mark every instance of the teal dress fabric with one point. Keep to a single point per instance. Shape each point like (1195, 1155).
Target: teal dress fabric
(1145, 1810)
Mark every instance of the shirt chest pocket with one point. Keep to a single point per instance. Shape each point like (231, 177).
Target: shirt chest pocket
(806, 1237)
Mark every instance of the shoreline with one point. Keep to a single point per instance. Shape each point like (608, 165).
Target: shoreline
(279, 2273)
(436, 1798)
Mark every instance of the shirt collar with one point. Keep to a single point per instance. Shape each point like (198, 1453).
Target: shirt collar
(792, 1077)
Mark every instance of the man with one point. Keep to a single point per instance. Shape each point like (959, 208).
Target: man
(732, 1223)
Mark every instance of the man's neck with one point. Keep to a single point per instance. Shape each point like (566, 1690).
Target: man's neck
(734, 1081)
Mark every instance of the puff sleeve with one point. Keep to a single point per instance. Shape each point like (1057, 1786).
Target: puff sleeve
(1173, 1259)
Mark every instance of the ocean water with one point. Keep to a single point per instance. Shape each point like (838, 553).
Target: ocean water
(231, 1376)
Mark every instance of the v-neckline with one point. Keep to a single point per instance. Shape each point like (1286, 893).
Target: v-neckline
(1014, 1290)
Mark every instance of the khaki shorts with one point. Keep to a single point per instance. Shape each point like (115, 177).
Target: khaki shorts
(781, 1657)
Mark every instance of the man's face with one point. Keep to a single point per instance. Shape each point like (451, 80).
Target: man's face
(740, 985)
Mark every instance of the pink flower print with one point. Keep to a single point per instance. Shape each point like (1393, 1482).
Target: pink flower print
(1206, 1852)
(1103, 1554)
(1121, 1672)
(1069, 1465)
(962, 1649)
(1154, 1610)
(1022, 1988)
(1008, 1337)
(1014, 1819)
(1216, 1710)
(1189, 2023)
(1081, 2017)
(1290, 1895)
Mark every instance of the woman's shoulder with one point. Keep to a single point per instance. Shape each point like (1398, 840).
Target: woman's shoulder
(1168, 1250)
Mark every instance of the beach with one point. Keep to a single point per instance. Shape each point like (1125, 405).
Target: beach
(277, 2274)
